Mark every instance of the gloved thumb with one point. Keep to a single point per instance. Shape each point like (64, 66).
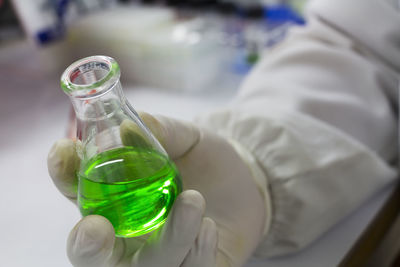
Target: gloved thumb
(91, 242)
(176, 136)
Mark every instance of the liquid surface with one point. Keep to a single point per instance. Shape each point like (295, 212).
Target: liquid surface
(133, 188)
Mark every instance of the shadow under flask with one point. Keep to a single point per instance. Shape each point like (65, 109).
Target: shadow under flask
(125, 174)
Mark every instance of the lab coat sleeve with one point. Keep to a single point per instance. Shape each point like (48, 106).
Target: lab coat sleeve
(319, 115)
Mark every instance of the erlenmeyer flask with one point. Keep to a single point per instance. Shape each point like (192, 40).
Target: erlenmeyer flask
(125, 174)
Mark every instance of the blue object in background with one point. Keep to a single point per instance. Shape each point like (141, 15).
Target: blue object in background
(281, 14)
(56, 31)
(273, 23)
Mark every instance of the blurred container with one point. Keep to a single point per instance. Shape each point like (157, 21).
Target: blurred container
(152, 47)
(45, 21)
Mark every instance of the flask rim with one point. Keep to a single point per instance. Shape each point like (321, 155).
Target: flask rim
(96, 88)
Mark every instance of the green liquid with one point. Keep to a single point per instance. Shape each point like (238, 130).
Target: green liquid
(133, 188)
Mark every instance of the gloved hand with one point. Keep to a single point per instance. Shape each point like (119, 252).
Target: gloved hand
(223, 173)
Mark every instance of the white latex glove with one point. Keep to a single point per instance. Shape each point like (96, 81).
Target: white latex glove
(208, 164)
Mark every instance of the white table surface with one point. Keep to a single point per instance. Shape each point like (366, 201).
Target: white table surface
(35, 219)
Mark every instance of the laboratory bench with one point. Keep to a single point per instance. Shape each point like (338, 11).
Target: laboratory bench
(36, 219)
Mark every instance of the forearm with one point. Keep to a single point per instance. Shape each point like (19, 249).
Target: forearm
(318, 115)
(316, 175)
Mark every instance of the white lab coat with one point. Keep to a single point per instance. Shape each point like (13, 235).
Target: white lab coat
(319, 114)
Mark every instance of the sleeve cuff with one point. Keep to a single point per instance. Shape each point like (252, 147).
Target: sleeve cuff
(259, 178)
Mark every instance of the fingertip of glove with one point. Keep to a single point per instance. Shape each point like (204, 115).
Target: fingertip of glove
(187, 215)
(192, 199)
(177, 136)
(208, 231)
(154, 124)
(60, 146)
(62, 159)
(132, 135)
(92, 235)
(204, 250)
(208, 235)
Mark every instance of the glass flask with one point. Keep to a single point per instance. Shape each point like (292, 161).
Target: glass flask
(125, 174)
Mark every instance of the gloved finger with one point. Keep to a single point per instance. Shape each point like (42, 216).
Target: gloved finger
(177, 137)
(204, 251)
(63, 163)
(169, 246)
(132, 135)
(92, 242)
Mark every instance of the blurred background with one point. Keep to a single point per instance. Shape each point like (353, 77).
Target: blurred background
(161, 44)
(178, 58)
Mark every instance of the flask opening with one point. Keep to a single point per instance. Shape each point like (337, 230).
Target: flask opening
(90, 77)
(89, 73)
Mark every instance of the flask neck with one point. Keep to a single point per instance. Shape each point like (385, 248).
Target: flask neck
(99, 107)
(105, 119)
(93, 86)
